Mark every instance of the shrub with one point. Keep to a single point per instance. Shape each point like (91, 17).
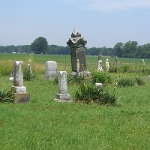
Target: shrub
(125, 82)
(6, 96)
(28, 76)
(100, 77)
(91, 94)
(75, 79)
(139, 81)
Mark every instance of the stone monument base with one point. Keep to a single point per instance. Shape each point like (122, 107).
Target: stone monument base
(21, 97)
(63, 98)
(87, 74)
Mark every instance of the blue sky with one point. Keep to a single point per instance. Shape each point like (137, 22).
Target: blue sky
(100, 22)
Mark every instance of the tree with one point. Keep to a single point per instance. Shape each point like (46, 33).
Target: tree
(118, 49)
(40, 45)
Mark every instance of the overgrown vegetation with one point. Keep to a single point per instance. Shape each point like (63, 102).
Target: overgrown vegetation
(90, 94)
(6, 96)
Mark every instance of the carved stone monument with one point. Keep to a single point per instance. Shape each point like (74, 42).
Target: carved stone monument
(78, 61)
(100, 66)
(20, 94)
(62, 95)
(50, 70)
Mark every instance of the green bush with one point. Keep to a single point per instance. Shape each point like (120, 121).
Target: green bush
(28, 76)
(6, 96)
(91, 94)
(75, 79)
(139, 81)
(125, 82)
(100, 77)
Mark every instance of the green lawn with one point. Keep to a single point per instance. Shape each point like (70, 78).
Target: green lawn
(45, 124)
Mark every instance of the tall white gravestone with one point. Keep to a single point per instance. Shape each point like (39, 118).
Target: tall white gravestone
(62, 95)
(50, 70)
(20, 94)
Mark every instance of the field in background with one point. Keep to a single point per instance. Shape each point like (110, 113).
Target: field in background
(45, 124)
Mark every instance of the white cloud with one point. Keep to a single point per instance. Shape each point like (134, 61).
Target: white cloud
(111, 5)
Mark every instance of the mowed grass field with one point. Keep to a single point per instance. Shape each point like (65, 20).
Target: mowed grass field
(44, 124)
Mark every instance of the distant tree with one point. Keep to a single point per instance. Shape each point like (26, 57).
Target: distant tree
(118, 49)
(40, 45)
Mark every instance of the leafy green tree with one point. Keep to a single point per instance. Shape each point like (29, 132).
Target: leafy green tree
(40, 45)
(118, 49)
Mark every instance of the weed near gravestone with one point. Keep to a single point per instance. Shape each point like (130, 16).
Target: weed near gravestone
(89, 94)
(6, 96)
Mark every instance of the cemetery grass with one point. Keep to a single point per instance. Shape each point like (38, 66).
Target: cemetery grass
(45, 124)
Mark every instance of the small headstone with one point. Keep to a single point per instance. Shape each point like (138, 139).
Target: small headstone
(29, 68)
(100, 65)
(62, 95)
(99, 86)
(20, 94)
(99, 57)
(148, 78)
(50, 70)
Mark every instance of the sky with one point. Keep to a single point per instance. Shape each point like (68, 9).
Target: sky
(100, 22)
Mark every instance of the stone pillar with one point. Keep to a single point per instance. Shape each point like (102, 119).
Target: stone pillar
(117, 64)
(50, 70)
(77, 46)
(62, 95)
(20, 94)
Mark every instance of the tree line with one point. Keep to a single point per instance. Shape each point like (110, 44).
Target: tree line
(130, 49)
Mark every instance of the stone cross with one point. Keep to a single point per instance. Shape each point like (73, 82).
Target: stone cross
(77, 46)
(50, 70)
(62, 95)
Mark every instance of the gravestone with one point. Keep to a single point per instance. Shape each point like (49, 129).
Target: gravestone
(99, 86)
(107, 65)
(29, 68)
(117, 64)
(100, 65)
(99, 57)
(77, 46)
(62, 95)
(50, 70)
(20, 94)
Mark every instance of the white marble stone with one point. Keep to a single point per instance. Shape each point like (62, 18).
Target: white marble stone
(62, 95)
(50, 70)
(100, 65)
(99, 86)
(18, 73)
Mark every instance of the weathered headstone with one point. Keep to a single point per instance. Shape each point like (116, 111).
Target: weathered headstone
(77, 46)
(99, 86)
(99, 57)
(117, 64)
(29, 68)
(62, 95)
(50, 70)
(20, 94)
(100, 65)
